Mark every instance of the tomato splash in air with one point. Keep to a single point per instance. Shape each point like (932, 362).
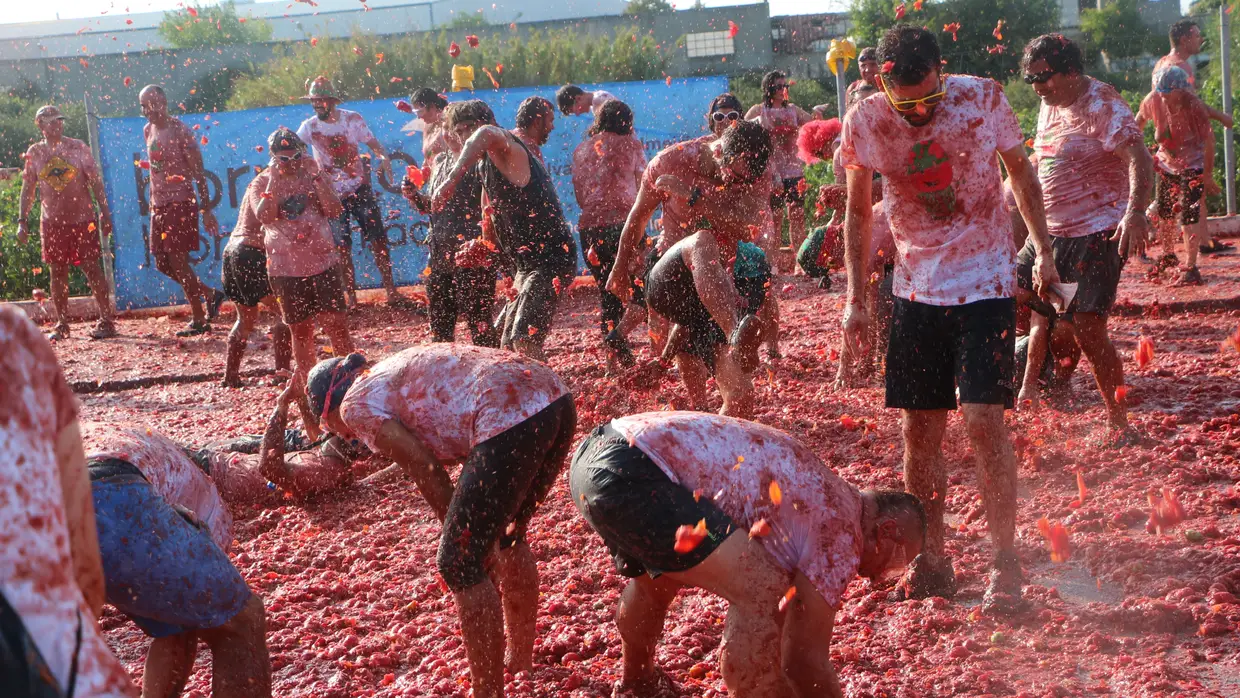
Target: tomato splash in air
(689, 537)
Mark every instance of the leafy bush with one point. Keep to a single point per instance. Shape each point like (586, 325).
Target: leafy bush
(214, 25)
(17, 129)
(21, 266)
(367, 67)
(1119, 31)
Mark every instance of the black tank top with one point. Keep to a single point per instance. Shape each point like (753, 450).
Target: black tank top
(529, 220)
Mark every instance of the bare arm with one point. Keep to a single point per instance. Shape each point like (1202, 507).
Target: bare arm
(199, 174)
(385, 165)
(648, 199)
(1133, 230)
(419, 463)
(806, 643)
(27, 202)
(101, 201)
(1028, 191)
(803, 117)
(271, 456)
(858, 227)
(80, 516)
(329, 202)
(488, 141)
(753, 112)
(268, 211)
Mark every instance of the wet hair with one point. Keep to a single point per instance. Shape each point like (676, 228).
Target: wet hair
(427, 97)
(566, 97)
(727, 100)
(912, 53)
(891, 503)
(768, 82)
(613, 117)
(466, 112)
(533, 109)
(330, 379)
(1060, 53)
(1180, 31)
(747, 138)
(869, 53)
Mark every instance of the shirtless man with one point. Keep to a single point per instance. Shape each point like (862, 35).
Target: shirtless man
(529, 222)
(334, 135)
(712, 191)
(937, 141)
(574, 101)
(164, 534)
(535, 122)
(509, 420)
(428, 105)
(782, 119)
(778, 534)
(178, 190)
(65, 175)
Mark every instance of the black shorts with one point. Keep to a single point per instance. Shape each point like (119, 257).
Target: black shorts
(302, 298)
(530, 314)
(245, 274)
(502, 482)
(636, 508)
(670, 292)
(1092, 262)
(1179, 195)
(362, 207)
(789, 192)
(936, 350)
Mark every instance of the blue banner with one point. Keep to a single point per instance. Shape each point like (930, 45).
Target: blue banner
(664, 115)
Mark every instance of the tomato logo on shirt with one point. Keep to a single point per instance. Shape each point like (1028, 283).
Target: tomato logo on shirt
(930, 171)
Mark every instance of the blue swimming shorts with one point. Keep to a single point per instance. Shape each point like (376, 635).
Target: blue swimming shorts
(160, 570)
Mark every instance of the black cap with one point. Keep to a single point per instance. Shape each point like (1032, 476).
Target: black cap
(330, 379)
(283, 140)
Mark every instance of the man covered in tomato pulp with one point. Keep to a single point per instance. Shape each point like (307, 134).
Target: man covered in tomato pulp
(937, 140)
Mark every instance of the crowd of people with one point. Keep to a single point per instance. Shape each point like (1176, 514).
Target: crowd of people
(942, 257)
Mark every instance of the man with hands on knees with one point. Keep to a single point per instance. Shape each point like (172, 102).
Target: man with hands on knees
(937, 140)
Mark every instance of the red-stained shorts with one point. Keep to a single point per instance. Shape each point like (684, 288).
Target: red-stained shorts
(69, 243)
(174, 228)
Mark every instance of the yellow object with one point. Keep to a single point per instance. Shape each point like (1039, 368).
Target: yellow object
(841, 50)
(462, 77)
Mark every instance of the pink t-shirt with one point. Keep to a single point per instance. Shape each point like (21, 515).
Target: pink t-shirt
(36, 565)
(783, 124)
(1084, 181)
(300, 242)
(171, 473)
(815, 530)
(168, 153)
(452, 396)
(1182, 141)
(336, 147)
(249, 231)
(942, 189)
(63, 175)
(606, 171)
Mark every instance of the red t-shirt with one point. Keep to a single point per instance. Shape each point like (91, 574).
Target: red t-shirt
(63, 176)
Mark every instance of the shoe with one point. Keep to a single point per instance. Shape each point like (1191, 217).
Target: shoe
(927, 576)
(1190, 277)
(1215, 246)
(1003, 593)
(824, 283)
(746, 339)
(61, 331)
(193, 330)
(619, 347)
(1167, 261)
(217, 299)
(104, 329)
(400, 302)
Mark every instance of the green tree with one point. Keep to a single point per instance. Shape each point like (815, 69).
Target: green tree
(975, 50)
(468, 20)
(1118, 30)
(17, 129)
(648, 7)
(214, 25)
(367, 67)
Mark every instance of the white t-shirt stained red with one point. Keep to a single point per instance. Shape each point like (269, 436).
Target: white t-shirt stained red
(1084, 180)
(815, 529)
(336, 148)
(451, 396)
(600, 98)
(171, 473)
(942, 190)
(36, 564)
(606, 171)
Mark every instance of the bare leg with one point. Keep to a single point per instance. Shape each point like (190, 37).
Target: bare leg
(241, 666)
(518, 578)
(996, 470)
(1039, 344)
(60, 295)
(177, 267)
(634, 315)
(281, 341)
(777, 237)
(658, 328)
(1194, 237)
(238, 338)
(336, 327)
(640, 618)
(532, 348)
(694, 373)
(924, 475)
(99, 289)
(1091, 332)
(712, 282)
(768, 313)
(348, 276)
(169, 661)
(383, 260)
(796, 228)
(303, 347)
(482, 628)
(735, 385)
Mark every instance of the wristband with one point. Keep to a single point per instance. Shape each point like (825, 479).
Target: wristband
(694, 196)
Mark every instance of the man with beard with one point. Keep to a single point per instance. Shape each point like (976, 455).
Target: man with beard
(535, 122)
(717, 188)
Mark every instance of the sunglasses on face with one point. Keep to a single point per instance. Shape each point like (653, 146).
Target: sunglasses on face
(291, 157)
(721, 116)
(1031, 78)
(779, 86)
(907, 105)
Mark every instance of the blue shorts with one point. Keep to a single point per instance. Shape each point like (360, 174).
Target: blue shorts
(160, 570)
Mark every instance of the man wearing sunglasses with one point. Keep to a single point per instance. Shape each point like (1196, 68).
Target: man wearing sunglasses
(1096, 177)
(937, 141)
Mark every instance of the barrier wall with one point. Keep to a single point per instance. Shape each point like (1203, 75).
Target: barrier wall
(664, 115)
